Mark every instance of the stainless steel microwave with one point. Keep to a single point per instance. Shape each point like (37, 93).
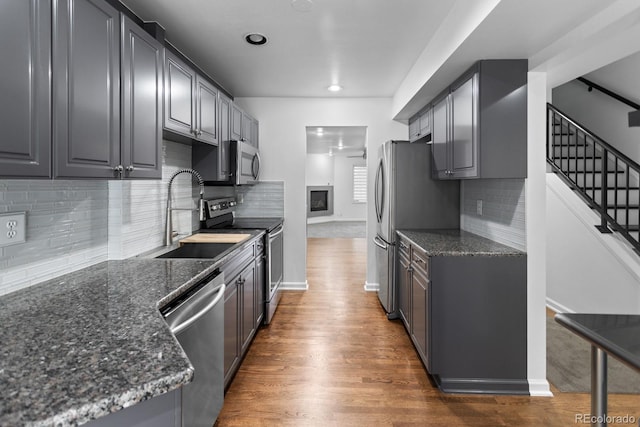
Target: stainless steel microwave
(245, 163)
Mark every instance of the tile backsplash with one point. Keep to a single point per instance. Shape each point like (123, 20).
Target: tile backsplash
(67, 229)
(502, 216)
(72, 224)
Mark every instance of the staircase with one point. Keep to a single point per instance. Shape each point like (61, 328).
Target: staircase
(606, 179)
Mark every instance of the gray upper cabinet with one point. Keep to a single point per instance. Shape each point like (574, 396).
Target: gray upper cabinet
(236, 123)
(191, 102)
(479, 127)
(213, 162)
(142, 88)
(180, 99)
(25, 100)
(420, 125)
(206, 111)
(86, 89)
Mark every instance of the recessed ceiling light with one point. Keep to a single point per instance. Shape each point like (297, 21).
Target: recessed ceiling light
(256, 39)
(334, 88)
(302, 5)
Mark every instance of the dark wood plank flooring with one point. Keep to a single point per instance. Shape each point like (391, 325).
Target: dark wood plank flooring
(331, 358)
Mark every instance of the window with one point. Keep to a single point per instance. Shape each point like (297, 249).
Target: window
(359, 184)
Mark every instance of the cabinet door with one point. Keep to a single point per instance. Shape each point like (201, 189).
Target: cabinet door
(420, 315)
(404, 289)
(246, 128)
(414, 128)
(248, 280)
(255, 131)
(425, 123)
(261, 272)
(439, 138)
(206, 111)
(231, 331)
(464, 141)
(179, 107)
(236, 123)
(142, 88)
(25, 100)
(224, 131)
(86, 88)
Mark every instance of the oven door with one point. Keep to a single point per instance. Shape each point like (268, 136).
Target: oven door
(246, 165)
(274, 273)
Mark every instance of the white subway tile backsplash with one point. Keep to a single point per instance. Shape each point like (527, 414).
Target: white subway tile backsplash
(503, 210)
(265, 199)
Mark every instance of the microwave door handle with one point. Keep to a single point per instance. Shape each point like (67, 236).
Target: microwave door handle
(255, 166)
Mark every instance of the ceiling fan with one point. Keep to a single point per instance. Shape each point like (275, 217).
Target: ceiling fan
(363, 155)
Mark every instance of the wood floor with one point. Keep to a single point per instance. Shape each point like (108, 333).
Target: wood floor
(331, 358)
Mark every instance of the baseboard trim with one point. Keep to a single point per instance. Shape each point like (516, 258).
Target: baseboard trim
(371, 287)
(294, 286)
(557, 307)
(482, 385)
(539, 388)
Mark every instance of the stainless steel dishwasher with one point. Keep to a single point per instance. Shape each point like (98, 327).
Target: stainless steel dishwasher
(197, 320)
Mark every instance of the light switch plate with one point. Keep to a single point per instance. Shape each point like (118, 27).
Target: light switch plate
(13, 228)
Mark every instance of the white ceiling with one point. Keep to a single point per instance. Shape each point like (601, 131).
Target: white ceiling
(337, 140)
(406, 49)
(367, 46)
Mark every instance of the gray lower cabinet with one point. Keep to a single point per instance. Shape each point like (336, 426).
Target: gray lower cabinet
(231, 354)
(467, 318)
(404, 284)
(86, 88)
(241, 297)
(160, 411)
(142, 85)
(479, 127)
(25, 89)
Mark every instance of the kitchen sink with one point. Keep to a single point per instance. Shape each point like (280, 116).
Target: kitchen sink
(198, 250)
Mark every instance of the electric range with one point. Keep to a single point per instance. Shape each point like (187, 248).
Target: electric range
(220, 216)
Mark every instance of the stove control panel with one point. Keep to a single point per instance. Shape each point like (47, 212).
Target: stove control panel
(217, 207)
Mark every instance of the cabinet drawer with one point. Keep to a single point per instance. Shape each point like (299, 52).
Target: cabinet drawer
(238, 261)
(403, 248)
(420, 261)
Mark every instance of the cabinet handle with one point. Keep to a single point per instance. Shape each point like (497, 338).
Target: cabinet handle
(118, 169)
(419, 261)
(410, 269)
(130, 168)
(403, 246)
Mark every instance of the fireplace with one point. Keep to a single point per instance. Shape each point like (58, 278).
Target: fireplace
(319, 201)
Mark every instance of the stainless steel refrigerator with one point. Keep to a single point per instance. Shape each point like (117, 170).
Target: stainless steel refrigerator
(406, 197)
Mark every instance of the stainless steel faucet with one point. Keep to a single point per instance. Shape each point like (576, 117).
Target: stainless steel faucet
(169, 230)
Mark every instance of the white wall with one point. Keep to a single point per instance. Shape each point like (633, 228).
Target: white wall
(320, 169)
(601, 114)
(587, 271)
(283, 123)
(338, 172)
(344, 208)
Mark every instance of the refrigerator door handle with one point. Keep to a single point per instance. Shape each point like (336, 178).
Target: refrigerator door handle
(380, 243)
(379, 188)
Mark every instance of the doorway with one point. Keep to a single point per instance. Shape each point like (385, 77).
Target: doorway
(336, 181)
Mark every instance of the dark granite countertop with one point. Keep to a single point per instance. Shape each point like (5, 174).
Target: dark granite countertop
(617, 334)
(454, 242)
(93, 341)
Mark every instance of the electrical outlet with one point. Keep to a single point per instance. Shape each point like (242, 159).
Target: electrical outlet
(13, 228)
(479, 207)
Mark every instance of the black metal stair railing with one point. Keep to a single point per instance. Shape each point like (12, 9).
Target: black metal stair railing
(605, 178)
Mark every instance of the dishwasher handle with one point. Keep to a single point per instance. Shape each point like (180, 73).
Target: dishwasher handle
(188, 322)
